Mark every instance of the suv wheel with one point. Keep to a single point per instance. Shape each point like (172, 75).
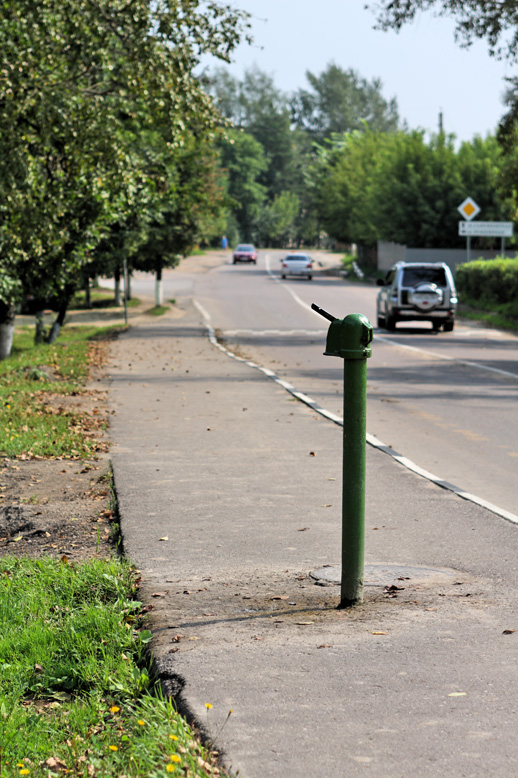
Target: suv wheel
(381, 321)
(390, 323)
(448, 325)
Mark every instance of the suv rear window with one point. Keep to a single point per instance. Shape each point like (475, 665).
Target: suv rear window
(417, 275)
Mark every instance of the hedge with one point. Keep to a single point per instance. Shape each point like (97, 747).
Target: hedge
(489, 280)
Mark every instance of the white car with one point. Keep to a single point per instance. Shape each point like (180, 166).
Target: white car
(417, 291)
(297, 265)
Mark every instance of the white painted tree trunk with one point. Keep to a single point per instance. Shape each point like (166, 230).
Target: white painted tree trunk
(159, 293)
(6, 338)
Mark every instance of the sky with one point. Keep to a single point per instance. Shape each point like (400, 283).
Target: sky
(421, 66)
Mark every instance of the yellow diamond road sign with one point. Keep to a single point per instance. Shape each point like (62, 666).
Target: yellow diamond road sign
(469, 209)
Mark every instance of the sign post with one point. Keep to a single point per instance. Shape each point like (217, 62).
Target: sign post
(468, 209)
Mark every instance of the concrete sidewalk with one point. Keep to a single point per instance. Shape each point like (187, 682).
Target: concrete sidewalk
(229, 492)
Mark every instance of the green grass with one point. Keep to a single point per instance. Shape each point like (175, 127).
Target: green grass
(501, 315)
(30, 425)
(75, 689)
(157, 310)
(99, 298)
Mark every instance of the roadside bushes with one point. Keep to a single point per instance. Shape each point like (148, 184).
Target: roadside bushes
(491, 282)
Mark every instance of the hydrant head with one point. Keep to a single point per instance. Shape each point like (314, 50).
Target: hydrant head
(349, 338)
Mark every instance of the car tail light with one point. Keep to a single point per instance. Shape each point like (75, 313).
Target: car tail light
(309, 264)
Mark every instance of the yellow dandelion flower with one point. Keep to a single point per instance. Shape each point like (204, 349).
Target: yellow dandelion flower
(174, 758)
(173, 737)
(114, 709)
(208, 705)
(170, 768)
(113, 748)
(141, 723)
(24, 771)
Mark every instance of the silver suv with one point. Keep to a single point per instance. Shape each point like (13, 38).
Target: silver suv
(417, 291)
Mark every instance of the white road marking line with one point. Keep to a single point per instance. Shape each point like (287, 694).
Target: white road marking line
(445, 357)
(371, 439)
(260, 333)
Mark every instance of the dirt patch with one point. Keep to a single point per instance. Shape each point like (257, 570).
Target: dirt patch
(63, 507)
(55, 508)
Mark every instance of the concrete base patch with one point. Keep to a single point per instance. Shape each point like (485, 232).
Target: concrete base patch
(385, 574)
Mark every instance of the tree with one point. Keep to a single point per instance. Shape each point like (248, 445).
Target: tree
(79, 85)
(189, 191)
(258, 107)
(278, 218)
(397, 187)
(493, 20)
(242, 159)
(341, 101)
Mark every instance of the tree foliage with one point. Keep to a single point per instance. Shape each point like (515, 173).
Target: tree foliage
(287, 127)
(97, 103)
(399, 187)
(341, 101)
(495, 21)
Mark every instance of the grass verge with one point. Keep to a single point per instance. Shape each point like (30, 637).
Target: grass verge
(76, 695)
(99, 298)
(30, 423)
(504, 315)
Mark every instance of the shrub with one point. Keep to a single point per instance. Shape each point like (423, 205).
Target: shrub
(493, 281)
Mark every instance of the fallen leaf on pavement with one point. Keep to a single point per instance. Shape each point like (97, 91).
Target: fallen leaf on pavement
(508, 631)
(304, 623)
(303, 529)
(457, 694)
(325, 645)
(279, 597)
(166, 537)
(378, 632)
(159, 594)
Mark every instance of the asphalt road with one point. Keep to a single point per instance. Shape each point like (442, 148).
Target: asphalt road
(447, 401)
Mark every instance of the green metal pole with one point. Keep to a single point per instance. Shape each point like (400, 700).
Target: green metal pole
(350, 339)
(353, 481)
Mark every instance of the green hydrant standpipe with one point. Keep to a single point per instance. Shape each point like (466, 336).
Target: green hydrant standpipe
(349, 339)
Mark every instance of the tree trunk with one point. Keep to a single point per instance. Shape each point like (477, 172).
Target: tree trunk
(39, 332)
(117, 279)
(60, 318)
(158, 287)
(6, 329)
(88, 297)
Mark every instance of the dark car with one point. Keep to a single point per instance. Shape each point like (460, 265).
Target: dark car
(245, 252)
